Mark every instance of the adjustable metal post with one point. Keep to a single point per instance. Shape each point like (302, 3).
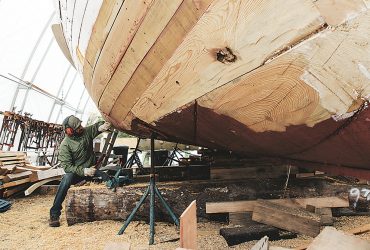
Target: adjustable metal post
(153, 190)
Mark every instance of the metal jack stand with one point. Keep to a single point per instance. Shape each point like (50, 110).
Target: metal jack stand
(153, 190)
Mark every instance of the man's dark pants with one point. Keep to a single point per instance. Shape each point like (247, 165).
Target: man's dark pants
(68, 180)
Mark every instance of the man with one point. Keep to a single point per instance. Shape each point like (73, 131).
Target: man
(77, 157)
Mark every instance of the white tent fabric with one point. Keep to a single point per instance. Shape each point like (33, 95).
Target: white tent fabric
(29, 52)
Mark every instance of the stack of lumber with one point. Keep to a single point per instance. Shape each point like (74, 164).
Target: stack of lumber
(17, 174)
(274, 217)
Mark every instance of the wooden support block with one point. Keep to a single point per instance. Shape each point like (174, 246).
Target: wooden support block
(326, 216)
(325, 213)
(330, 238)
(41, 175)
(240, 219)
(188, 227)
(345, 211)
(247, 206)
(291, 219)
(253, 231)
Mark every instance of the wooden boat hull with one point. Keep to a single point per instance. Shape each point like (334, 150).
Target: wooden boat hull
(253, 77)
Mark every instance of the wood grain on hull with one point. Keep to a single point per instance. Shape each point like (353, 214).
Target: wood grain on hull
(250, 76)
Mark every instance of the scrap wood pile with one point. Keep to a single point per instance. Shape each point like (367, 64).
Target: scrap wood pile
(17, 174)
(280, 218)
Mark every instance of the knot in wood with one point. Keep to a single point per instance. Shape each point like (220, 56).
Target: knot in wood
(225, 56)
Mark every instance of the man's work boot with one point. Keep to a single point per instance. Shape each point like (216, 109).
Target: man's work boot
(54, 221)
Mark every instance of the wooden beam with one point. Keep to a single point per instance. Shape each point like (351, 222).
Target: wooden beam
(41, 175)
(188, 227)
(15, 183)
(248, 206)
(12, 177)
(10, 191)
(291, 219)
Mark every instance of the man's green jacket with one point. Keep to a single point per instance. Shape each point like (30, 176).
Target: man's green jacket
(76, 152)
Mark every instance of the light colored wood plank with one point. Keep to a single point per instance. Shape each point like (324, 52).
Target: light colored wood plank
(188, 227)
(10, 191)
(262, 244)
(12, 177)
(36, 167)
(91, 13)
(15, 183)
(185, 18)
(33, 187)
(330, 238)
(102, 28)
(46, 174)
(122, 32)
(76, 28)
(291, 219)
(59, 37)
(339, 11)
(153, 24)
(236, 25)
(248, 206)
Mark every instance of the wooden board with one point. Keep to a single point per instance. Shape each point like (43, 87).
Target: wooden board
(183, 21)
(59, 37)
(15, 183)
(262, 244)
(330, 238)
(159, 14)
(291, 219)
(188, 227)
(248, 206)
(41, 175)
(33, 187)
(10, 191)
(12, 177)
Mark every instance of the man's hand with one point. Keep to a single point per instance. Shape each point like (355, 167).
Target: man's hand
(90, 171)
(104, 127)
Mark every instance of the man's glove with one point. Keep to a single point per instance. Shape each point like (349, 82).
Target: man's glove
(89, 171)
(104, 127)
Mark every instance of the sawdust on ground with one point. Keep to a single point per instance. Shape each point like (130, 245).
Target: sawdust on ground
(25, 226)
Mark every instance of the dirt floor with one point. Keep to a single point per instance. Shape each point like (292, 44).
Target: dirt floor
(25, 226)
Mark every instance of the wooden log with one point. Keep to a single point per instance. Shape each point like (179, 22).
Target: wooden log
(247, 206)
(188, 227)
(98, 203)
(291, 219)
